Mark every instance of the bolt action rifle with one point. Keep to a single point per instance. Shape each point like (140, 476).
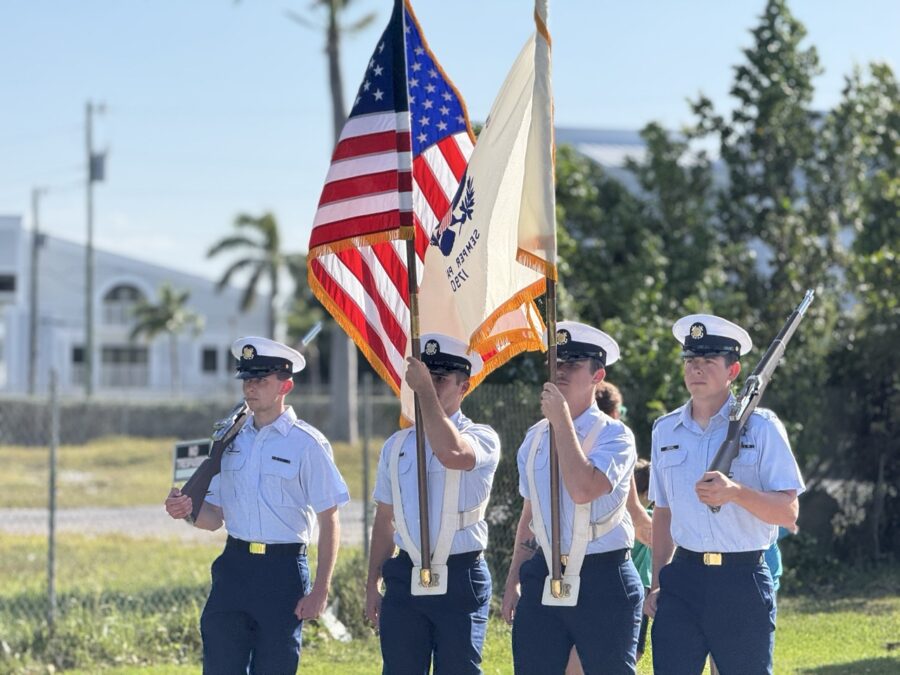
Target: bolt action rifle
(752, 392)
(224, 431)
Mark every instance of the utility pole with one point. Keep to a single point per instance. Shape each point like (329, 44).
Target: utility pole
(33, 291)
(95, 172)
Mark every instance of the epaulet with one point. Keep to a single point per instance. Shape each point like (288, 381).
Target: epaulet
(659, 419)
(311, 431)
(766, 414)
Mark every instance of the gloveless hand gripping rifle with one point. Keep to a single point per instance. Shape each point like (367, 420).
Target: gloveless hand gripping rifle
(223, 432)
(752, 392)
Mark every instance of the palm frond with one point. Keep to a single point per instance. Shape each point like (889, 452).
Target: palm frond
(249, 296)
(231, 242)
(232, 269)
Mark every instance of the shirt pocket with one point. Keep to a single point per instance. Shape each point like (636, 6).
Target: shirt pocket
(672, 466)
(405, 461)
(280, 484)
(233, 461)
(745, 468)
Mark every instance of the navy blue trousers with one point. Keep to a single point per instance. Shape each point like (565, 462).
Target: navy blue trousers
(248, 624)
(727, 611)
(604, 625)
(447, 630)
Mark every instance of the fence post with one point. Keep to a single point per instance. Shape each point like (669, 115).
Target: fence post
(51, 544)
(367, 434)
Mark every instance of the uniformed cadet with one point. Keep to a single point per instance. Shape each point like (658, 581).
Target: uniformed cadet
(278, 483)
(711, 590)
(600, 608)
(441, 627)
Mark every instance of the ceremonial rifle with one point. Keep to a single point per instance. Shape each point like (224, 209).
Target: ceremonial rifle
(223, 432)
(752, 392)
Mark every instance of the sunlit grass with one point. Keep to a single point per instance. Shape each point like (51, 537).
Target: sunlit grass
(123, 471)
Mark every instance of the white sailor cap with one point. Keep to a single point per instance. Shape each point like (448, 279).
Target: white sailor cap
(575, 341)
(442, 352)
(259, 356)
(709, 335)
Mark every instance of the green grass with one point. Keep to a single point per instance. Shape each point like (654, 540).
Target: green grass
(123, 471)
(131, 606)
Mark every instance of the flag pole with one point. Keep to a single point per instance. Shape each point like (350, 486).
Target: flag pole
(556, 558)
(416, 350)
(555, 553)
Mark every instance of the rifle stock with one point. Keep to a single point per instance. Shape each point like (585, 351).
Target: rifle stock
(753, 389)
(224, 431)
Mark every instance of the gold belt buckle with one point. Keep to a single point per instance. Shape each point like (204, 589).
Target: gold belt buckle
(257, 548)
(714, 559)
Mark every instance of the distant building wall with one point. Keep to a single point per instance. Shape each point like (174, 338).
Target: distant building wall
(122, 367)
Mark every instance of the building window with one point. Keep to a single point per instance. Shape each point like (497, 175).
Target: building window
(78, 365)
(124, 366)
(209, 360)
(7, 283)
(231, 363)
(119, 303)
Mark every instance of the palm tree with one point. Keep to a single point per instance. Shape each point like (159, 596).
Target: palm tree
(342, 360)
(167, 315)
(334, 30)
(259, 244)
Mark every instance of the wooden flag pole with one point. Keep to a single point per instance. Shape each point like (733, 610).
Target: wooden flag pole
(416, 350)
(555, 553)
(556, 558)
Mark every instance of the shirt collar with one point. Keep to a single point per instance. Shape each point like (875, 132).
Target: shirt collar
(283, 424)
(686, 420)
(586, 420)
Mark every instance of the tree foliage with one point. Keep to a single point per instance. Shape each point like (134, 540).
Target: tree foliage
(257, 246)
(169, 315)
(797, 198)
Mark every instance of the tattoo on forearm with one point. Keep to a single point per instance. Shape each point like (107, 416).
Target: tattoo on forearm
(530, 545)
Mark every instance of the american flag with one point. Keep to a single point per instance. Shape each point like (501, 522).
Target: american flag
(393, 175)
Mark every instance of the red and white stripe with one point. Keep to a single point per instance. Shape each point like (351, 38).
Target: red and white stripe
(373, 188)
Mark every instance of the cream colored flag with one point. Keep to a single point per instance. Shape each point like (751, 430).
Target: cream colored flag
(490, 255)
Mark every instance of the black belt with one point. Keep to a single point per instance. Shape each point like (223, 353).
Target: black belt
(260, 548)
(456, 559)
(716, 559)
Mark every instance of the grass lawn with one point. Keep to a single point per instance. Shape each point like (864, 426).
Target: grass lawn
(123, 471)
(131, 606)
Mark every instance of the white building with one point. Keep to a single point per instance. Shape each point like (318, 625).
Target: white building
(122, 367)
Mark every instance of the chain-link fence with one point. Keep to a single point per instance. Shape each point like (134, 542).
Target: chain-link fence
(111, 562)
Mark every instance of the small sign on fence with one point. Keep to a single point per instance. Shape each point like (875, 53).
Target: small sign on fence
(188, 456)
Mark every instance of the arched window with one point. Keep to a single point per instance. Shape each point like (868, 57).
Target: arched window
(118, 304)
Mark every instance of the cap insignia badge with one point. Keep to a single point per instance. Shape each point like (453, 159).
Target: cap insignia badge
(248, 353)
(698, 331)
(562, 337)
(431, 347)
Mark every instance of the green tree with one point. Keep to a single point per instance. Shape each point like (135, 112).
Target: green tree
(774, 242)
(860, 141)
(169, 315)
(304, 313)
(258, 247)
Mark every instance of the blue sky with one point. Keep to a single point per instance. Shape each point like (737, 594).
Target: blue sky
(216, 107)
